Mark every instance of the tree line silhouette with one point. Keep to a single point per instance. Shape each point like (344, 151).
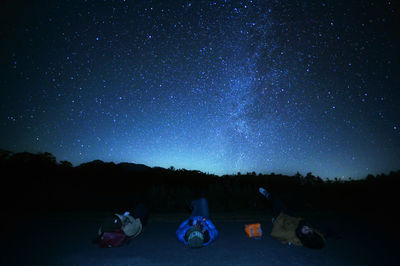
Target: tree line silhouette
(37, 182)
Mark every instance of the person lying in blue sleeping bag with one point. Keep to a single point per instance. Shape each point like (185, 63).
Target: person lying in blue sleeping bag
(198, 230)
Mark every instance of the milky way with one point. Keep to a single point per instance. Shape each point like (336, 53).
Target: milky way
(216, 86)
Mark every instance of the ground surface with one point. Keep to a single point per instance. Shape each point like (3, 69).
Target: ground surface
(65, 239)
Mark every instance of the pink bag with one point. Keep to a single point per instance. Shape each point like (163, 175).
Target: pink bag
(112, 239)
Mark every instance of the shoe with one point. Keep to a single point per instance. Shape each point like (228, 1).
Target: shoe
(264, 192)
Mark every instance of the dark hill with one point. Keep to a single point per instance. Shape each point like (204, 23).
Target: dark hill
(132, 167)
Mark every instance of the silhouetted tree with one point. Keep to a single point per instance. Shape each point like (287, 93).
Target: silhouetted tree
(5, 155)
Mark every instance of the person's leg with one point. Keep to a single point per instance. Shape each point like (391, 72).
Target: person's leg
(277, 205)
(200, 208)
(141, 211)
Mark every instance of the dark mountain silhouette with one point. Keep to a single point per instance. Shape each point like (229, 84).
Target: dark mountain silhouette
(127, 167)
(132, 167)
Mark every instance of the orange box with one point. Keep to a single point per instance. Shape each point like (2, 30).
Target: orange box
(253, 230)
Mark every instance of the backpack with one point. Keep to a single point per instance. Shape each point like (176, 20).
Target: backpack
(253, 230)
(112, 239)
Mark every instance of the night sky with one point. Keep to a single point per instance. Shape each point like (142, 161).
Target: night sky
(216, 86)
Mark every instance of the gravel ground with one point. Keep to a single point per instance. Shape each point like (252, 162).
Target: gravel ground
(66, 239)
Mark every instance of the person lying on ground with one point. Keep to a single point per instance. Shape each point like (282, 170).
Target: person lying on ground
(289, 229)
(198, 230)
(117, 229)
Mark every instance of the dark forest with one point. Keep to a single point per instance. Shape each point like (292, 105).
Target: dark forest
(38, 182)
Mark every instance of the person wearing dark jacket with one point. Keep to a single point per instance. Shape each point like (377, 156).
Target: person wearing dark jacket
(289, 229)
(198, 230)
